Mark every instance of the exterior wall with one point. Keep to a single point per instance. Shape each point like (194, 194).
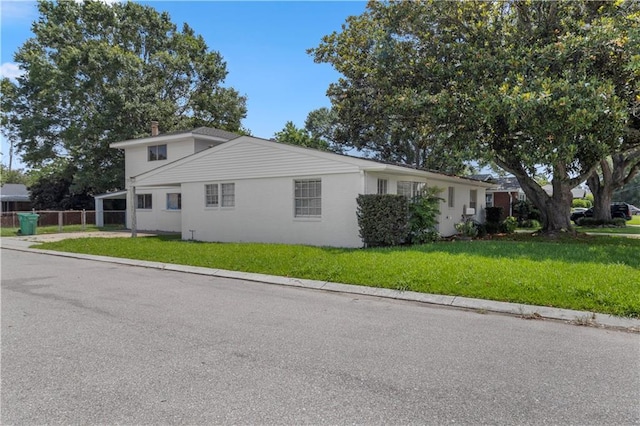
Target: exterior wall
(136, 160)
(264, 212)
(158, 218)
(504, 200)
(449, 216)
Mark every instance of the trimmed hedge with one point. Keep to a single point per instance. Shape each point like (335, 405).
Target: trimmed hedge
(383, 219)
(493, 214)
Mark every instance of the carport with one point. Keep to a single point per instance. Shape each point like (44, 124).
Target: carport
(114, 200)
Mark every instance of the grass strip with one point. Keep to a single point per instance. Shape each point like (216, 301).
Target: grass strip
(592, 273)
(41, 230)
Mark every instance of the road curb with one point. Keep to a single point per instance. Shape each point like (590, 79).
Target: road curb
(583, 318)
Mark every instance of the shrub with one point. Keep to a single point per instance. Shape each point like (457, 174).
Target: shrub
(525, 210)
(494, 214)
(509, 225)
(423, 211)
(581, 202)
(383, 219)
(492, 227)
(466, 228)
(591, 222)
(530, 223)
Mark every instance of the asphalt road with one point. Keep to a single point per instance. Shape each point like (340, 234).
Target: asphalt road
(85, 342)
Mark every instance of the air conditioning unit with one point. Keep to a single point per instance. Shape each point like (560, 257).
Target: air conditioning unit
(469, 211)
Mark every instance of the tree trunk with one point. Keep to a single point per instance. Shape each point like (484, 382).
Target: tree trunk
(602, 190)
(613, 174)
(555, 210)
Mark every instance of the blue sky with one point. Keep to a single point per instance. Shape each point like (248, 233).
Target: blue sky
(264, 44)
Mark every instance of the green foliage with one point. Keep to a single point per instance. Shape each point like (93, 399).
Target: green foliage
(581, 202)
(322, 124)
(494, 214)
(509, 225)
(629, 192)
(530, 223)
(292, 135)
(467, 228)
(97, 73)
(51, 189)
(423, 213)
(592, 222)
(12, 176)
(383, 219)
(523, 84)
(525, 210)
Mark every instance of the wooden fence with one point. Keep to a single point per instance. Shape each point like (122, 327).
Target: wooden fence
(66, 217)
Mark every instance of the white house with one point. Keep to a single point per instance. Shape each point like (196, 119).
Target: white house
(211, 185)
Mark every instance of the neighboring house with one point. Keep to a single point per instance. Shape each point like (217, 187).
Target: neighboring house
(14, 198)
(216, 186)
(580, 191)
(503, 193)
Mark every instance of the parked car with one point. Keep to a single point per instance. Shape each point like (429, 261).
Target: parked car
(634, 209)
(621, 210)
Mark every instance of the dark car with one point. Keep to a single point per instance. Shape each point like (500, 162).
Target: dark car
(618, 210)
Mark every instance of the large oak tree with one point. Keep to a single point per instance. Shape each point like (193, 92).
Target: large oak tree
(522, 84)
(96, 73)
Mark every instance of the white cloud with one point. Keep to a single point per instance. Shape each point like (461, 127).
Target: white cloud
(10, 70)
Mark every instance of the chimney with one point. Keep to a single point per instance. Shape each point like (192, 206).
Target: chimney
(154, 128)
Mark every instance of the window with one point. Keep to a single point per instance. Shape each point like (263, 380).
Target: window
(143, 201)
(228, 194)
(174, 201)
(382, 186)
(308, 198)
(489, 200)
(211, 195)
(157, 152)
(410, 189)
(452, 194)
(473, 198)
(225, 197)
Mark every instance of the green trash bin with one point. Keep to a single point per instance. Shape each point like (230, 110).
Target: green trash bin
(28, 223)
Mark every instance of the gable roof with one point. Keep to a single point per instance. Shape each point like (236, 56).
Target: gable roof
(207, 133)
(260, 158)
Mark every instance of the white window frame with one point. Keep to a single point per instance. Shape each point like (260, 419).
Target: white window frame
(153, 151)
(228, 194)
(473, 199)
(178, 200)
(211, 195)
(489, 199)
(143, 198)
(383, 184)
(307, 198)
(409, 189)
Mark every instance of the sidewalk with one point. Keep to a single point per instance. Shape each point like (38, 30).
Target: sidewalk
(480, 305)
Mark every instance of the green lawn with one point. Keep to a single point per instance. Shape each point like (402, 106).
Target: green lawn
(599, 274)
(12, 232)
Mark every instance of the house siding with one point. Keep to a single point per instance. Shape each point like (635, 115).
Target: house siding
(246, 159)
(136, 161)
(158, 218)
(264, 212)
(448, 216)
